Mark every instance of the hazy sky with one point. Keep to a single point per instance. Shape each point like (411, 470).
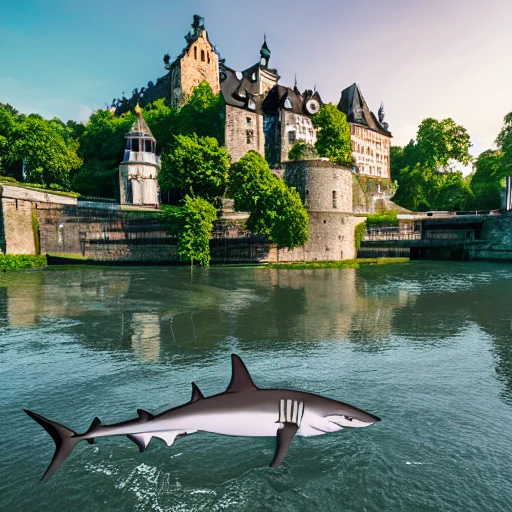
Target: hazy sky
(432, 58)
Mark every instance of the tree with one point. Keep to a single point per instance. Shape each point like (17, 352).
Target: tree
(192, 223)
(101, 148)
(302, 151)
(41, 147)
(196, 166)
(203, 114)
(333, 136)
(504, 143)
(487, 181)
(162, 121)
(276, 210)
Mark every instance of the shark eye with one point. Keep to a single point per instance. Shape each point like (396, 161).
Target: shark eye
(349, 418)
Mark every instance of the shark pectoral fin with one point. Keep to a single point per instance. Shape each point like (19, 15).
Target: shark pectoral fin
(284, 437)
(141, 440)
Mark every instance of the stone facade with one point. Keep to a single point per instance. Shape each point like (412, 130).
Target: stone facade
(322, 185)
(199, 62)
(371, 151)
(243, 133)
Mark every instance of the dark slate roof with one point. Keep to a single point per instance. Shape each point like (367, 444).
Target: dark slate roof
(238, 87)
(353, 105)
(277, 96)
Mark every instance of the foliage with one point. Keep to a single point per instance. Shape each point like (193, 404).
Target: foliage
(424, 168)
(302, 151)
(35, 232)
(359, 233)
(387, 219)
(192, 223)
(196, 166)
(487, 181)
(20, 261)
(335, 264)
(162, 121)
(333, 136)
(504, 143)
(276, 210)
(101, 148)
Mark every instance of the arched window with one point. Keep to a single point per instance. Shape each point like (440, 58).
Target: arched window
(288, 103)
(251, 104)
(202, 55)
(208, 55)
(195, 52)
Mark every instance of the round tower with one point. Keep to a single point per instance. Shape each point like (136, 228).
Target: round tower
(138, 172)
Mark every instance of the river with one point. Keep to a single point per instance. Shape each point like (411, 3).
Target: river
(426, 346)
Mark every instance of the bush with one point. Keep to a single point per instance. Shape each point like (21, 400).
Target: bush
(20, 262)
(387, 219)
(359, 232)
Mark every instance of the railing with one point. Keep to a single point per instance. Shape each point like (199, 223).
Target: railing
(383, 234)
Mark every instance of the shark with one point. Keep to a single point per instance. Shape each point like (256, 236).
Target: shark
(242, 409)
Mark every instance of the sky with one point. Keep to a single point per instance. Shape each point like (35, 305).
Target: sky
(422, 58)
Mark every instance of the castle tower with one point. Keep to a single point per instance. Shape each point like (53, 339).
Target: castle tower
(139, 169)
(198, 62)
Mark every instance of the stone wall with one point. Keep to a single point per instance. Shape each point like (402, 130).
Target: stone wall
(331, 238)
(243, 132)
(372, 195)
(322, 185)
(371, 151)
(17, 206)
(496, 244)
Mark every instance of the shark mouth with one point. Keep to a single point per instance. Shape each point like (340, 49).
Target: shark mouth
(349, 421)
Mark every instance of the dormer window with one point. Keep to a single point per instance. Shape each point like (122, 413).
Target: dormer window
(253, 77)
(251, 104)
(239, 75)
(288, 103)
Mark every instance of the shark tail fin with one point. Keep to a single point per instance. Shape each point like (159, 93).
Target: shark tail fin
(64, 440)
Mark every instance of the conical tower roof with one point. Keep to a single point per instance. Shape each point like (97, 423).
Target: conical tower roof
(139, 128)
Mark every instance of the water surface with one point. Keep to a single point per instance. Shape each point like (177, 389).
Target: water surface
(425, 345)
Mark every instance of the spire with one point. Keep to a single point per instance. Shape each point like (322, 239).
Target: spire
(264, 52)
(295, 84)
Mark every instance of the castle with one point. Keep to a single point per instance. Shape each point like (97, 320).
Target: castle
(261, 114)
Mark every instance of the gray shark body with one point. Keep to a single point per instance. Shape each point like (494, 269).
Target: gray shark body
(242, 410)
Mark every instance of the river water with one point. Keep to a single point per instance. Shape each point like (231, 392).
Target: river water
(427, 346)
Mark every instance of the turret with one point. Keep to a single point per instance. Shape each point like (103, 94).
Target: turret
(138, 172)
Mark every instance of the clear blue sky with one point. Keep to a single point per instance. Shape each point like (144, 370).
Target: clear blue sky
(435, 58)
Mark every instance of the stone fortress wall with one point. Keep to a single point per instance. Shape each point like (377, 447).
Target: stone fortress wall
(241, 122)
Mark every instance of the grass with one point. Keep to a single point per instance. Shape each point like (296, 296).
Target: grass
(69, 256)
(20, 262)
(336, 264)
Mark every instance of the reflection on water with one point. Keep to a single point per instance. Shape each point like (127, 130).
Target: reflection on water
(426, 346)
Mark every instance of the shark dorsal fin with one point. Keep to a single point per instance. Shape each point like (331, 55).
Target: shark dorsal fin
(144, 415)
(240, 378)
(196, 393)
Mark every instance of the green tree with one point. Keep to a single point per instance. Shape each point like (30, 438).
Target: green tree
(101, 148)
(196, 166)
(487, 180)
(302, 151)
(504, 143)
(203, 114)
(192, 223)
(276, 210)
(162, 121)
(333, 136)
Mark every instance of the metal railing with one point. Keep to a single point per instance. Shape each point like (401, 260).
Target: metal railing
(391, 233)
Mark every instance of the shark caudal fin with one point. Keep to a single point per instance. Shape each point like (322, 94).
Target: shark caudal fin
(63, 438)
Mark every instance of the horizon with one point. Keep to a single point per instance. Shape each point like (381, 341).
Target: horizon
(67, 61)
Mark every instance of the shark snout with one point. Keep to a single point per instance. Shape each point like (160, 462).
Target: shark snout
(353, 419)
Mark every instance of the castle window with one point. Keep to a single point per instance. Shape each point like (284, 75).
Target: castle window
(202, 55)
(147, 146)
(127, 144)
(135, 145)
(334, 203)
(208, 55)
(249, 120)
(292, 136)
(251, 104)
(195, 52)
(288, 103)
(249, 136)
